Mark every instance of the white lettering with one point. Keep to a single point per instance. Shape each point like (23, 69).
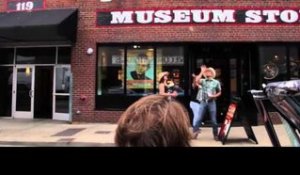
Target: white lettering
(223, 16)
(173, 60)
(201, 16)
(271, 15)
(124, 17)
(20, 6)
(253, 16)
(181, 16)
(184, 16)
(144, 17)
(289, 16)
(163, 16)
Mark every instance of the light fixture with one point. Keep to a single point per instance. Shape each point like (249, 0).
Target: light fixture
(27, 71)
(105, 0)
(90, 51)
(136, 46)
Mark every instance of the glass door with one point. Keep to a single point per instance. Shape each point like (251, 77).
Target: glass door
(23, 91)
(61, 95)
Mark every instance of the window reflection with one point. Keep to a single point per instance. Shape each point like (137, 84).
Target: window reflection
(63, 80)
(277, 60)
(6, 56)
(110, 72)
(23, 99)
(294, 63)
(64, 55)
(139, 67)
(62, 104)
(36, 55)
(171, 59)
(273, 63)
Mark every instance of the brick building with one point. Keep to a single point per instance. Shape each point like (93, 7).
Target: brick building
(75, 59)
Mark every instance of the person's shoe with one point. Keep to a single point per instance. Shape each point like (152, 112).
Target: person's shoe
(195, 134)
(216, 138)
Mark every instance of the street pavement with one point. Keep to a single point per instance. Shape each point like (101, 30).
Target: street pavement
(50, 133)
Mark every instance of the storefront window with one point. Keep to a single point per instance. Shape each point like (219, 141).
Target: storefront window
(294, 63)
(6, 56)
(273, 63)
(63, 76)
(140, 70)
(110, 73)
(130, 71)
(233, 76)
(62, 104)
(64, 55)
(36, 55)
(171, 59)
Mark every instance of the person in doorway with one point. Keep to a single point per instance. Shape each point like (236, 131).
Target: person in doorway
(209, 89)
(154, 121)
(166, 86)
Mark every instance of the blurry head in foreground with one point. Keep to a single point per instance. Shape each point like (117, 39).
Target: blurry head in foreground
(154, 120)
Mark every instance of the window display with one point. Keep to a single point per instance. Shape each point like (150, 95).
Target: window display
(140, 74)
(171, 59)
(140, 69)
(110, 70)
(273, 63)
(130, 71)
(294, 63)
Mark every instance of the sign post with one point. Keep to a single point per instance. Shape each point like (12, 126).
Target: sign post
(230, 115)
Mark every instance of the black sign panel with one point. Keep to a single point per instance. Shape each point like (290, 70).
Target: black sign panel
(227, 122)
(230, 115)
(23, 5)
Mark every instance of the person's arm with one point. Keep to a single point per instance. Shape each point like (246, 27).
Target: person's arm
(219, 91)
(162, 91)
(216, 95)
(199, 76)
(161, 87)
(194, 85)
(197, 80)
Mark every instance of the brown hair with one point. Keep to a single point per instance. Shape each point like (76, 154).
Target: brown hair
(154, 120)
(161, 76)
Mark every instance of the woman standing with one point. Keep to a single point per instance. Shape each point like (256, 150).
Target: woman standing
(166, 87)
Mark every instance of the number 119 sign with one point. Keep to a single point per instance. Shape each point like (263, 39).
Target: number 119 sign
(25, 5)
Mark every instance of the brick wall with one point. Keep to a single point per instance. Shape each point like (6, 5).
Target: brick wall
(61, 4)
(2, 5)
(84, 66)
(207, 33)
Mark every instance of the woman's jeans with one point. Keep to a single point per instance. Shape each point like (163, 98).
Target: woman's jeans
(199, 114)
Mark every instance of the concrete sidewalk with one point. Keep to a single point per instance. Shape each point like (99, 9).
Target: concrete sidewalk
(40, 133)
